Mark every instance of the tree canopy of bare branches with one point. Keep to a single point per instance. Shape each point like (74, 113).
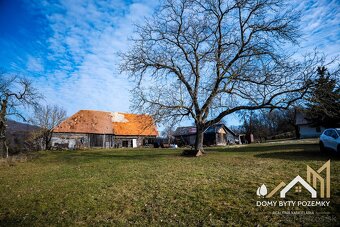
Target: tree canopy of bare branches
(16, 93)
(210, 58)
(47, 118)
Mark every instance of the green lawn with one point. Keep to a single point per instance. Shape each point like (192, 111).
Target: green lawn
(160, 187)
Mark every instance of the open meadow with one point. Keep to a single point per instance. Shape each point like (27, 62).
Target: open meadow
(160, 187)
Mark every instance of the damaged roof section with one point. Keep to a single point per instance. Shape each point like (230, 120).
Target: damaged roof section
(118, 117)
(101, 122)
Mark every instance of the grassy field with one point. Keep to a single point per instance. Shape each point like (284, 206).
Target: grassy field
(160, 187)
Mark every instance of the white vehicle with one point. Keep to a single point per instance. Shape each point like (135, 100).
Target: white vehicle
(330, 139)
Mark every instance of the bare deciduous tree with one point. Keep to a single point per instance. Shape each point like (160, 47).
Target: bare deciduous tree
(47, 118)
(266, 124)
(168, 132)
(211, 58)
(16, 93)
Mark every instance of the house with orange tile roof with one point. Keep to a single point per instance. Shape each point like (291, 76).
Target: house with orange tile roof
(90, 128)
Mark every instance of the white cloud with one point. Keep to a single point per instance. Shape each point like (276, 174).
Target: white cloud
(85, 38)
(320, 26)
(34, 64)
(86, 34)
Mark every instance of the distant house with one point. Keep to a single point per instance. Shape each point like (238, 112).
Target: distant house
(89, 128)
(305, 128)
(215, 135)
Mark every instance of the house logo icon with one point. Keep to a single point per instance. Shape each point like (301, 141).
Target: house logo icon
(315, 184)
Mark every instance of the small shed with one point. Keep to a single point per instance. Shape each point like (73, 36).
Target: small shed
(215, 135)
(185, 135)
(219, 135)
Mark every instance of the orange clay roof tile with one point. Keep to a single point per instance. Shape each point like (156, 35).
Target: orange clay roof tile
(100, 122)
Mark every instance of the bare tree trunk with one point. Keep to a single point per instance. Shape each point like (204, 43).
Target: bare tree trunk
(3, 128)
(297, 132)
(48, 140)
(296, 127)
(5, 148)
(199, 141)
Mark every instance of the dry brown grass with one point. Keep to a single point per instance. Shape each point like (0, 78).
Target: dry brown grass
(159, 187)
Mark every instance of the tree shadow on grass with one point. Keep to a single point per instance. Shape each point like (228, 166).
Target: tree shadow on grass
(300, 155)
(79, 157)
(267, 148)
(296, 152)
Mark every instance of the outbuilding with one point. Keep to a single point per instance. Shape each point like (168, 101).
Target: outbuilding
(215, 135)
(90, 128)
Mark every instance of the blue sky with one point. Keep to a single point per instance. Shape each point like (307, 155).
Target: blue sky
(68, 47)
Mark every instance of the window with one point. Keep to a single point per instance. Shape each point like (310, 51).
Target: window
(298, 189)
(327, 132)
(145, 141)
(125, 143)
(331, 133)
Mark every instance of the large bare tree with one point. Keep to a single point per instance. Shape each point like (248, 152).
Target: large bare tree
(47, 118)
(16, 93)
(210, 58)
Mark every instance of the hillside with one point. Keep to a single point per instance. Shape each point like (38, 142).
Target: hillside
(17, 135)
(14, 126)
